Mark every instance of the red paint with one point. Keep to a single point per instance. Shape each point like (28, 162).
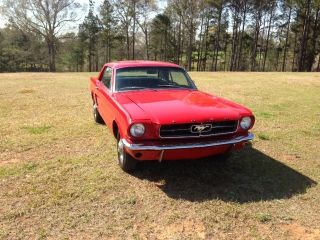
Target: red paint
(181, 154)
(154, 108)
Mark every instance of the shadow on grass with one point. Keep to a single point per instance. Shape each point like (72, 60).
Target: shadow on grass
(248, 176)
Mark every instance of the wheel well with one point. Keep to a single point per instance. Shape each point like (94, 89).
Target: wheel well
(115, 129)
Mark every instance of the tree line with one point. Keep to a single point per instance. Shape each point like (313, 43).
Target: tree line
(201, 35)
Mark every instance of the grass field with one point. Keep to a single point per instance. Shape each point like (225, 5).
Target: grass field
(59, 177)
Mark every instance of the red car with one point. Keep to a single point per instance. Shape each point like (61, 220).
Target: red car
(156, 112)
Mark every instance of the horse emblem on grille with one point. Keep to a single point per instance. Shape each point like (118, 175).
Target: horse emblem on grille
(201, 128)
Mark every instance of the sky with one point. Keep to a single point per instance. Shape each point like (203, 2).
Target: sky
(83, 12)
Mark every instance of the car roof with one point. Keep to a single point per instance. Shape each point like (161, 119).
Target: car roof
(140, 63)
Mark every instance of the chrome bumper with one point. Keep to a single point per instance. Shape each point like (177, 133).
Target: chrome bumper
(141, 147)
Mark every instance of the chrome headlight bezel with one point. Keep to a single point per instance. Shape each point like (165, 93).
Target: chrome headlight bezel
(245, 123)
(137, 130)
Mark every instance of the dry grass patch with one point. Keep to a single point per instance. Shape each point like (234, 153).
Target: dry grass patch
(59, 178)
(25, 91)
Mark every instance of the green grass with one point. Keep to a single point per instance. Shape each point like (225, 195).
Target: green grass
(37, 130)
(264, 217)
(59, 177)
(263, 136)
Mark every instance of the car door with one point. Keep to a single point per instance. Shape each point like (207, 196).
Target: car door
(104, 94)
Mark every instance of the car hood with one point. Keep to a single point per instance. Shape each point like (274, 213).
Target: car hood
(179, 106)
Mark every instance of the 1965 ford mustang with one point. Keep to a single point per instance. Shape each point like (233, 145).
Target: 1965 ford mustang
(156, 113)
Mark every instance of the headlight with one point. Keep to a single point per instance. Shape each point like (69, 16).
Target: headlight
(245, 123)
(137, 130)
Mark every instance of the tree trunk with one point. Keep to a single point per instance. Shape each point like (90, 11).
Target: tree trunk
(203, 44)
(90, 56)
(147, 42)
(128, 42)
(96, 69)
(256, 39)
(301, 62)
(51, 54)
(218, 39)
(261, 44)
(287, 39)
(225, 54)
(267, 43)
(234, 42)
(294, 52)
(200, 45)
(277, 59)
(182, 46)
(312, 55)
(109, 50)
(241, 37)
(179, 41)
(189, 54)
(134, 29)
(206, 46)
(165, 44)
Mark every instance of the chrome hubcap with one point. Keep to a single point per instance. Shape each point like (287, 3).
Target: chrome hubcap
(120, 151)
(95, 110)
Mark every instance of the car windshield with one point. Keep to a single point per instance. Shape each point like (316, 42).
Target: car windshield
(135, 78)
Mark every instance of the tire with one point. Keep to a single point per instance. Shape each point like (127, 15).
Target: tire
(125, 161)
(96, 115)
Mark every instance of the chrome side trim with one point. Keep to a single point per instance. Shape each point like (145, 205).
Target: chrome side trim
(141, 147)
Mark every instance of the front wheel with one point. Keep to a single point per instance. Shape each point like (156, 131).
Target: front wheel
(96, 115)
(125, 161)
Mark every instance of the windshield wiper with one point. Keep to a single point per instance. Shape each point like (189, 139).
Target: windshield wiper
(170, 86)
(167, 85)
(135, 88)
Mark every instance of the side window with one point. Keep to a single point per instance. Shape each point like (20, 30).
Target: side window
(106, 78)
(179, 78)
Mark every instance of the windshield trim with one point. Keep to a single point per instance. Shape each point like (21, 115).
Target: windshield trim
(190, 81)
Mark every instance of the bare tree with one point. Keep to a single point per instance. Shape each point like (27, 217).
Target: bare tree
(219, 6)
(272, 9)
(235, 8)
(305, 36)
(44, 17)
(123, 10)
(312, 49)
(189, 12)
(258, 9)
(244, 16)
(144, 8)
(199, 50)
(287, 5)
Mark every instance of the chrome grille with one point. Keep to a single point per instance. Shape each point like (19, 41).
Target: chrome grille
(197, 129)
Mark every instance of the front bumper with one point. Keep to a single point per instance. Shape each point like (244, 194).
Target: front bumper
(205, 148)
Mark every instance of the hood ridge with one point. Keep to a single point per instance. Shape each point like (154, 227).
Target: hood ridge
(181, 106)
